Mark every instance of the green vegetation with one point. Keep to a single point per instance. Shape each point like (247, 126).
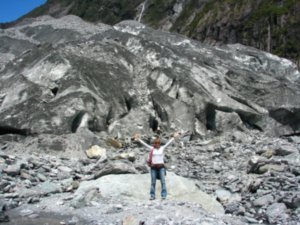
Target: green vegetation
(250, 18)
(110, 12)
(38, 11)
(284, 43)
(185, 14)
(270, 8)
(106, 11)
(157, 10)
(210, 6)
(252, 28)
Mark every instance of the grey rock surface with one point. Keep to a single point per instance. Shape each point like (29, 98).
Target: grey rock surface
(71, 74)
(135, 188)
(116, 189)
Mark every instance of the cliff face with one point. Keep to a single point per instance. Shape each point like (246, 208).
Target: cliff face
(58, 75)
(271, 25)
(268, 25)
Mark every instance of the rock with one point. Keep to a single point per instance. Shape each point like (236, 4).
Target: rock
(26, 212)
(276, 213)
(115, 168)
(3, 184)
(217, 167)
(113, 142)
(228, 121)
(49, 188)
(271, 167)
(3, 217)
(235, 208)
(75, 184)
(13, 170)
(3, 208)
(294, 139)
(115, 209)
(293, 201)
(284, 150)
(3, 155)
(293, 159)
(67, 182)
(86, 197)
(254, 185)
(41, 177)
(130, 220)
(125, 155)
(263, 201)
(260, 165)
(33, 200)
(73, 221)
(142, 167)
(269, 153)
(296, 201)
(96, 152)
(251, 220)
(65, 169)
(179, 188)
(25, 175)
(223, 195)
(161, 219)
(254, 164)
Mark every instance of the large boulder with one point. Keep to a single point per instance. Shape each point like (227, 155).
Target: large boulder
(276, 213)
(179, 188)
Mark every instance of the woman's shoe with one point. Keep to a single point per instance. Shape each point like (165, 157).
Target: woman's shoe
(152, 198)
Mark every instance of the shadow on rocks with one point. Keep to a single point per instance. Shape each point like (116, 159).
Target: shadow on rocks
(43, 218)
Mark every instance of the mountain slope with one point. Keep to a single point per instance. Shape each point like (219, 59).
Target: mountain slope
(272, 25)
(122, 78)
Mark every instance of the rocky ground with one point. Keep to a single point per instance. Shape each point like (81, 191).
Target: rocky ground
(254, 177)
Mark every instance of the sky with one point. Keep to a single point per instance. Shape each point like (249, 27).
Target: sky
(10, 10)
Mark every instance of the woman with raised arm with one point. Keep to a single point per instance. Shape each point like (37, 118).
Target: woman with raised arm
(156, 163)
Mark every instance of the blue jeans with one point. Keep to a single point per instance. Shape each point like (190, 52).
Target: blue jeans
(155, 172)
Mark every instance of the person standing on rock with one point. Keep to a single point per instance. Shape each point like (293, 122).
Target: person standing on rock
(156, 163)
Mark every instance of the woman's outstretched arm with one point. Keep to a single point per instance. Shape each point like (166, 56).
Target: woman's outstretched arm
(137, 138)
(145, 144)
(175, 135)
(169, 142)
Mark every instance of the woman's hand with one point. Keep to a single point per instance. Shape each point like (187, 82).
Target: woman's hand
(136, 137)
(176, 135)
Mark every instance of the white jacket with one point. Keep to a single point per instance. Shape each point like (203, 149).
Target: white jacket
(158, 154)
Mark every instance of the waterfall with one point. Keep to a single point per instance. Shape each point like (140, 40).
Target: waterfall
(142, 11)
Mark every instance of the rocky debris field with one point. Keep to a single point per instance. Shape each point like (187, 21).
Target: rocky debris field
(254, 177)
